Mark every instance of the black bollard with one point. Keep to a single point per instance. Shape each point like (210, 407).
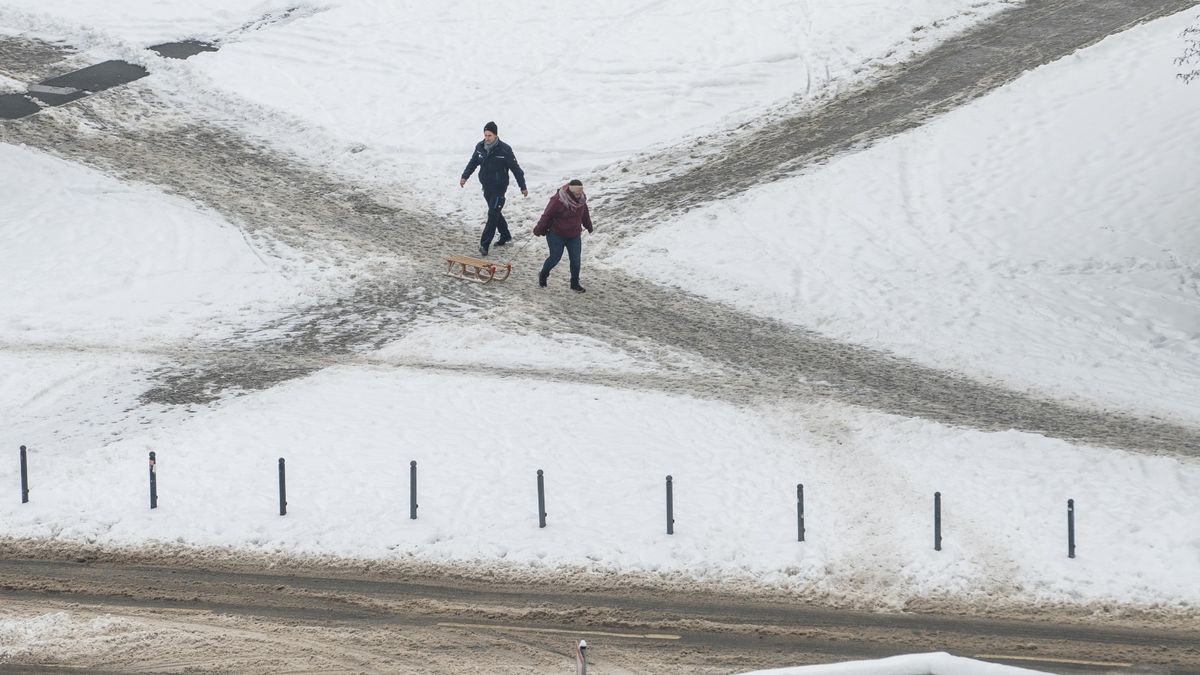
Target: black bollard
(800, 512)
(541, 500)
(153, 483)
(670, 506)
(24, 477)
(412, 489)
(937, 521)
(1070, 528)
(282, 490)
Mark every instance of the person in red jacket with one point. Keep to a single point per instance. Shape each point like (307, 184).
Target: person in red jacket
(563, 222)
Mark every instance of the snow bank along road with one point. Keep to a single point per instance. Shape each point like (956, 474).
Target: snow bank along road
(133, 616)
(130, 133)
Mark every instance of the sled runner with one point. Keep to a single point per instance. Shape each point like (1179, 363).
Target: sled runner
(476, 270)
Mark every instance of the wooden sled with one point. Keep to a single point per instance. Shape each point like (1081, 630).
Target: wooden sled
(476, 270)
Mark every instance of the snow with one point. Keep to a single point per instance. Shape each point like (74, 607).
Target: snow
(460, 343)
(122, 264)
(10, 86)
(869, 480)
(408, 85)
(1040, 236)
(938, 663)
(58, 633)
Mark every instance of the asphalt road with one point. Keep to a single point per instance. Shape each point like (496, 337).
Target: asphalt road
(172, 616)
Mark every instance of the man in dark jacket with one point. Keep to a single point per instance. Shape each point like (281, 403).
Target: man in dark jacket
(563, 223)
(495, 159)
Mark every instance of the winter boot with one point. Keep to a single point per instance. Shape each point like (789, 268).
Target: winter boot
(577, 288)
(542, 276)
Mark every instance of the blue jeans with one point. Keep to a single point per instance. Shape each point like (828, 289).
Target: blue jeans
(495, 221)
(574, 246)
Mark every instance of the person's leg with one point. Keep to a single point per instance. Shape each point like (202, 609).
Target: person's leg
(495, 202)
(502, 223)
(574, 248)
(556, 244)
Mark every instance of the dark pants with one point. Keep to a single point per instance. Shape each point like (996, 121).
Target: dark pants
(495, 221)
(574, 246)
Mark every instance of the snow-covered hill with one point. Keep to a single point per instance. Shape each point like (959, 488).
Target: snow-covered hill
(1040, 237)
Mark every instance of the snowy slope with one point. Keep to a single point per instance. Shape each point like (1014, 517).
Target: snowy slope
(348, 434)
(359, 74)
(408, 85)
(1043, 236)
(92, 260)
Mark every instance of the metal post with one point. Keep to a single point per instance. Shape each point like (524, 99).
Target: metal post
(412, 489)
(24, 477)
(1070, 528)
(581, 658)
(541, 500)
(153, 483)
(800, 512)
(937, 521)
(282, 490)
(670, 507)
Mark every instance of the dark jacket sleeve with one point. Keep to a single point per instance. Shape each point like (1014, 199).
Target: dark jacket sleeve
(474, 162)
(587, 218)
(543, 224)
(516, 169)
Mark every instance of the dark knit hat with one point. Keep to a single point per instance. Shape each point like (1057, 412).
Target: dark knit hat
(576, 181)
(491, 126)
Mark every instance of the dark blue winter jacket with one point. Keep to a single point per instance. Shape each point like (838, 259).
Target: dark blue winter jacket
(494, 166)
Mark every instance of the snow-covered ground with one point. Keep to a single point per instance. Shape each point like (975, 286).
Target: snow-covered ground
(399, 91)
(911, 664)
(92, 260)
(9, 85)
(1040, 236)
(1043, 236)
(60, 633)
(348, 434)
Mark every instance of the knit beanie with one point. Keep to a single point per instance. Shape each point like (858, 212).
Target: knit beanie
(491, 126)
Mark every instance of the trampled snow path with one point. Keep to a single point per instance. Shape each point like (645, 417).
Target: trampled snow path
(994, 53)
(754, 358)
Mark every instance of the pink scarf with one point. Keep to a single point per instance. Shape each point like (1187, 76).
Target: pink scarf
(569, 200)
